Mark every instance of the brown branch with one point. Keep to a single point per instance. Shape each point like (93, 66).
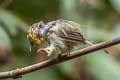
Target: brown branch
(19, 72)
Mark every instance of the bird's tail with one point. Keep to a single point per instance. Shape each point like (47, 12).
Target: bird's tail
(93, 43)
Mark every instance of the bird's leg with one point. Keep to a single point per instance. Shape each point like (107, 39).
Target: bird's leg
(46, 50)
(59, 50)
(59, 56)
(49, 50)
(42, 50)
(69, 53)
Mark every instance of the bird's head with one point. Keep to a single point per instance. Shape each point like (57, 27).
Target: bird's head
(35, 34)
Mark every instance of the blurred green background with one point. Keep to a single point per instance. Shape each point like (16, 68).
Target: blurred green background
(101, 20)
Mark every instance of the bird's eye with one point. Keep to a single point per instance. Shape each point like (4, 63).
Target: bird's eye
(41, 24)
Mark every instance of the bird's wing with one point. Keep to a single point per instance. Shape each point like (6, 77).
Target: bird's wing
(70, 31)
(73, 37)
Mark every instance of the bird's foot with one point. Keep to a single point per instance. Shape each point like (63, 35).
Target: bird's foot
(61, 56)
(69, 53)
(44, 50)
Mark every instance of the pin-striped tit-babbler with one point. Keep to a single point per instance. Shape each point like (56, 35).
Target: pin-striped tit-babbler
(62, 36)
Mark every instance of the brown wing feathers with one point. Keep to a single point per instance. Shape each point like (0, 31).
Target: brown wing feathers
(74, 37)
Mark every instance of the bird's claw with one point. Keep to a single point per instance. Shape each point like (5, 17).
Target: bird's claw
(44, 50)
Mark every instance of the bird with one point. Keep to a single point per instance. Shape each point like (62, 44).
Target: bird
(62, 36)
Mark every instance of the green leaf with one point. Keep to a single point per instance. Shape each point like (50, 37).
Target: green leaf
(4, 38)
(98, 34)
(102, 66)
(11, 22)
(35, 8)
(116, 4)
(67, 68)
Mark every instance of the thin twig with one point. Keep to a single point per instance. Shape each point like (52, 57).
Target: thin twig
(19, 72)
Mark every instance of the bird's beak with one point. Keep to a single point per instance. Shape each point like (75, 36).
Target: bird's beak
(31, 45)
